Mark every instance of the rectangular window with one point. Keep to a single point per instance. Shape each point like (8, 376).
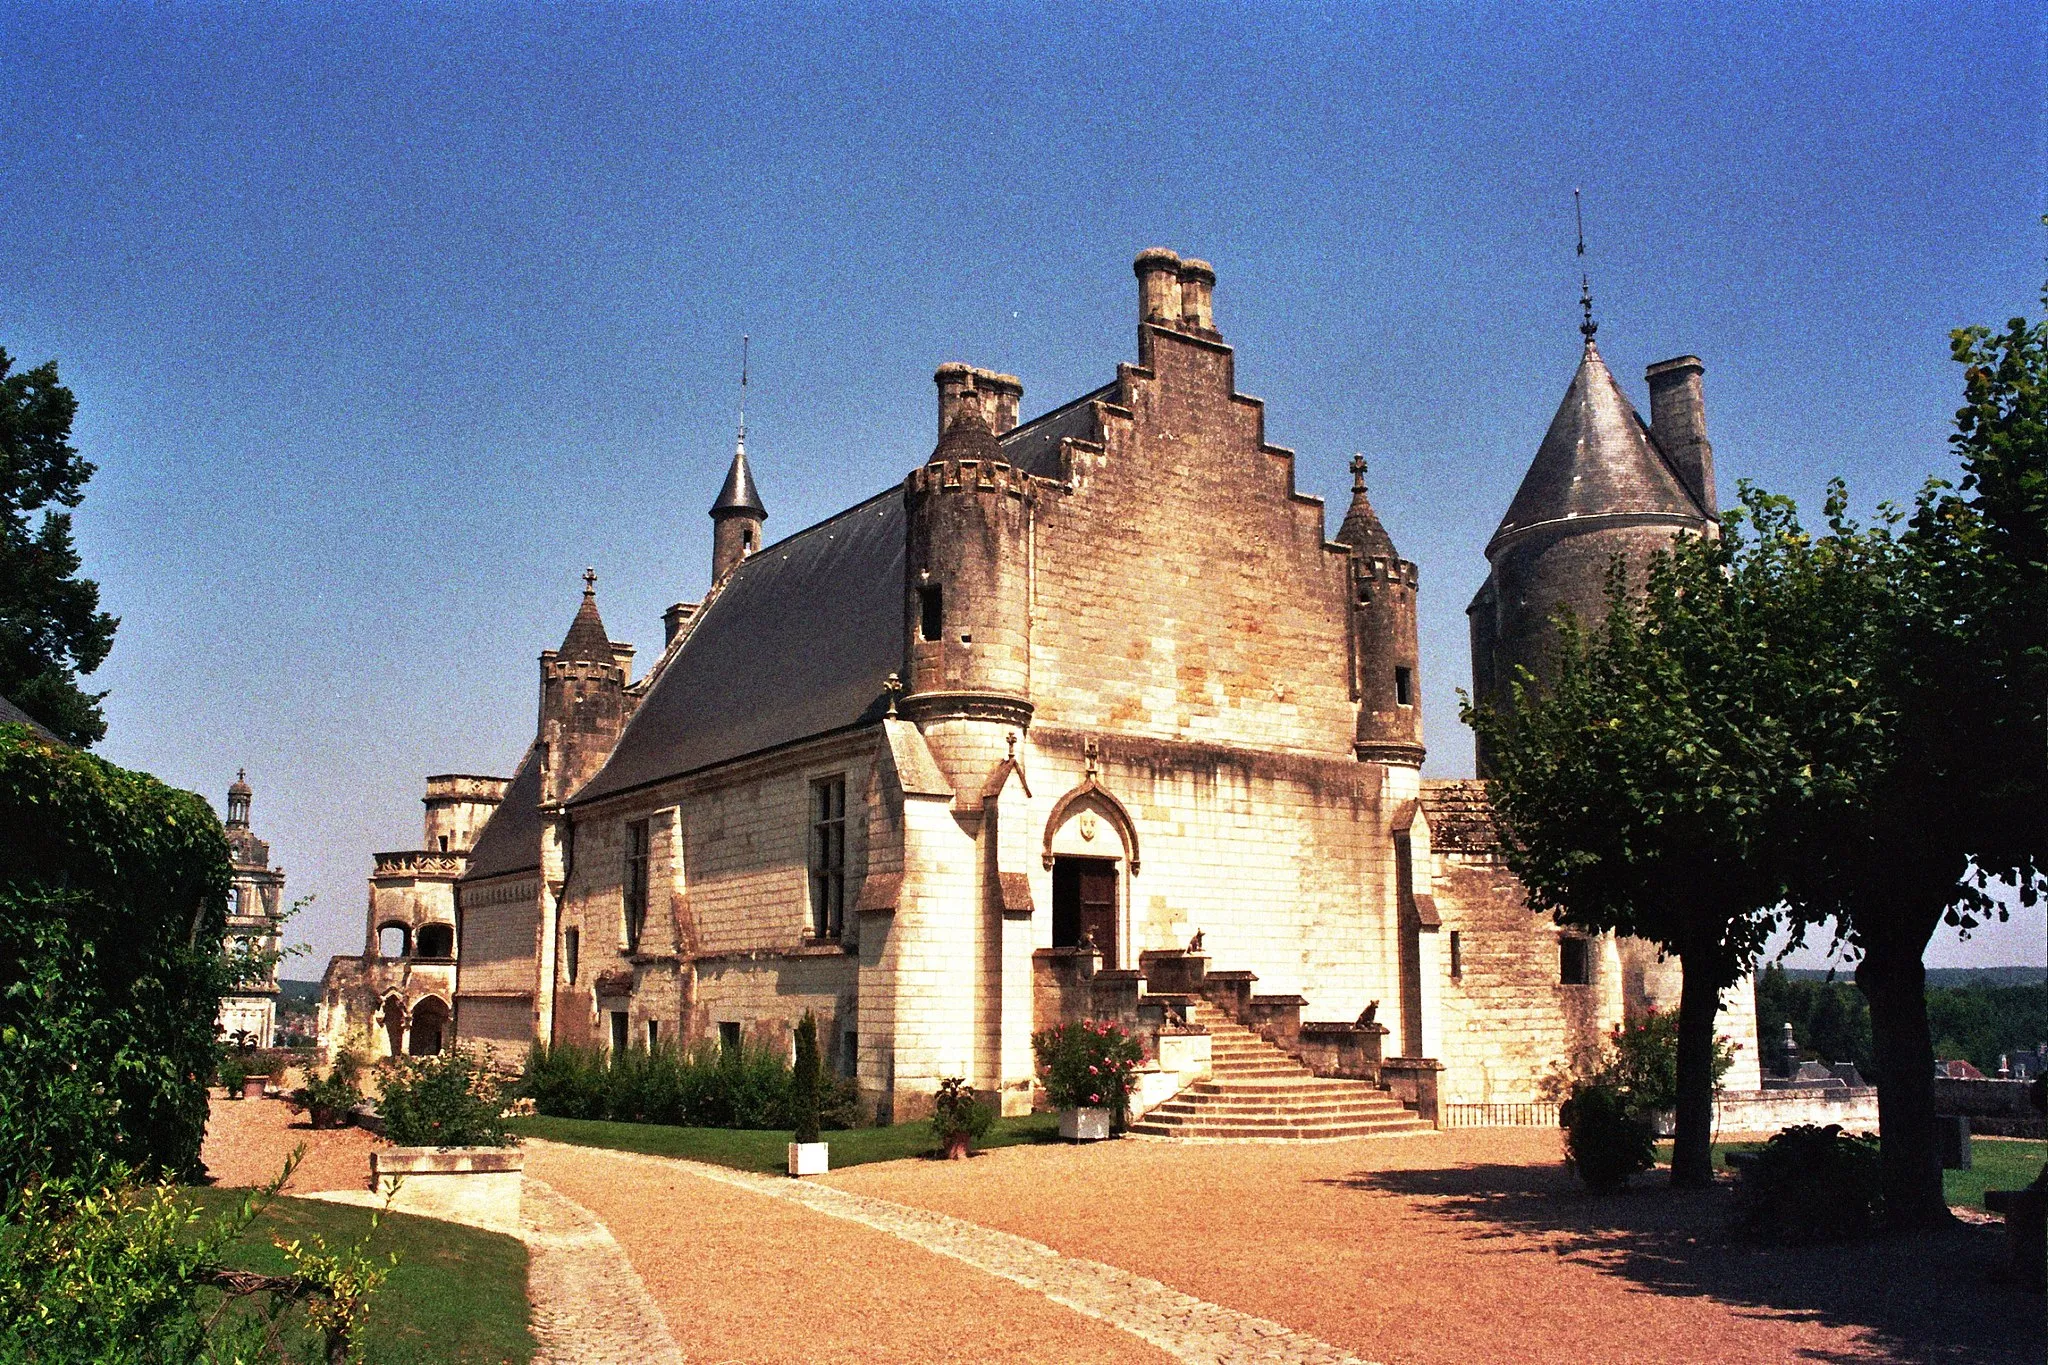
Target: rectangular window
(931, 612)
(572, 953)
(1457, 956)
(1404, 687)
(729, 1035)
(635, 883)
(618, 1030)
(849, 1054)
(653, 1033)
(1574, 962)
(828, 857)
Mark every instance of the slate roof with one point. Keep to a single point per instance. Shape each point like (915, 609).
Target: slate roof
(796, 644)
(10, 714)
(1362, 530)
(586, 641)
(510, 841)
(739, 493)
(1034, 447)
(1597, 458)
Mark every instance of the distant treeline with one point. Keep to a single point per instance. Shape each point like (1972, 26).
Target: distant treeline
(1831, 1019)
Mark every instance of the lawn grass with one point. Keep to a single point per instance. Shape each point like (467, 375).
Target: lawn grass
(1995, 1164)
(456, 1297)
(767, 1150)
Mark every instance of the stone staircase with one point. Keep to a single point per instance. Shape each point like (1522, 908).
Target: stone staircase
(1256, 1092)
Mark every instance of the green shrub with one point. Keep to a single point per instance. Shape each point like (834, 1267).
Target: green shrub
(803, 1082)
(107, 1269)
(1607, 1136)
(1641, 1061)
(705, 1086)
(958, 1112)
(1813, 1184)
(113, 894)
(335, 1093)
(447, 1100)
(1088, 1063)
(231, 1072)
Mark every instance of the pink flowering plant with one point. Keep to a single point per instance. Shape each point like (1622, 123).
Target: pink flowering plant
(1088, 1064)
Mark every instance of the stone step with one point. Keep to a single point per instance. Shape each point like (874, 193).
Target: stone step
(1293, 1113)
(1280, 1086)
(1281, 1131)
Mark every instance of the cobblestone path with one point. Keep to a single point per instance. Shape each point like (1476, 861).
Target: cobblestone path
(1185, 1327)
(589, 1306)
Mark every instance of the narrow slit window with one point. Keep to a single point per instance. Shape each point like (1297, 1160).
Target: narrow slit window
(1404, 687)
(618, 1030)
(572, 945)
(729, 1035)
(635, 882)
(931, 607)
(828, 857)
(1457, 956)
(653, 1033)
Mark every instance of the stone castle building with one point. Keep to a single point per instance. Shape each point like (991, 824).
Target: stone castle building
(398, 998)
(1004, 742)
(255, 909)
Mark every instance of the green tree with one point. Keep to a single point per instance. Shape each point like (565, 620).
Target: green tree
(51, 627)
(1641, 790)
(1956, 667)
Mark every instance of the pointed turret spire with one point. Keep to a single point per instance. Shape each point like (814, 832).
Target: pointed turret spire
(586, 641)
(737, 515)
(1586, 327)
(1362, 530)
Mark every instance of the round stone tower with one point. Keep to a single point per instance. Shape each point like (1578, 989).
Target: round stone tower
(1602, 486)
(966, 586)
(1385, 654)
(737, 515)
(457, 806)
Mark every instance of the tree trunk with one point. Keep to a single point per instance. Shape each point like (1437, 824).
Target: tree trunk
(1699, 1001)
(1895, 983)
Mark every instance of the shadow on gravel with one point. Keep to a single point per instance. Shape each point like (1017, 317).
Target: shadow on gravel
(1927, 1298)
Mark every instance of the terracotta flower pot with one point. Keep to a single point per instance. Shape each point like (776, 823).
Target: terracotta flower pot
(252, 1087)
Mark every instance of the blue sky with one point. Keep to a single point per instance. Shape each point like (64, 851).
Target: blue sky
(385, 323)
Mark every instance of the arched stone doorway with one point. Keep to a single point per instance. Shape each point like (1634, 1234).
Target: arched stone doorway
(1091, 848)
(429, 1027)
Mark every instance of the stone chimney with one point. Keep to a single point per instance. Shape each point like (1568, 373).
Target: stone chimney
(1678, 419)
(675, 618)
(996, 396)
(1159, 286)
(1197, 304)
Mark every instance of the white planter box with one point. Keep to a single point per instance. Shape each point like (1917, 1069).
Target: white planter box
(479, 1186)
(1084, 1125)
(810, 1158)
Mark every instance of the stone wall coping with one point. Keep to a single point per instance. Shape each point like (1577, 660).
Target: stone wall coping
(1232, 976)
(1411, 1064)
(1279, 1000)
(445, 1160)
(1183, 1030)
(1338, 1026)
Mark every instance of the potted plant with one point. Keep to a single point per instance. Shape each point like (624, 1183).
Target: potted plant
(808, 1153)
(231, 1073)
(959, 1118)
(452, 1155)
(327, 1100)
(1086, 1067)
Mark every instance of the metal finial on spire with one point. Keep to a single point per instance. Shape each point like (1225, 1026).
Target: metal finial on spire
(241, 774)
(1588, 326)
(1358, 473)
(743, 390)
(589, 582)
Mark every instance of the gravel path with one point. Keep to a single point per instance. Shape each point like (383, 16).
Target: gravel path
(1476, 1246)
(1184, 1327)
(247, 1142)
(589, 1308)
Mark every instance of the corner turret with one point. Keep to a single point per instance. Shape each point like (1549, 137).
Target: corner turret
(1385, 653)
(967, 625)
(582, 701)
(737, 515)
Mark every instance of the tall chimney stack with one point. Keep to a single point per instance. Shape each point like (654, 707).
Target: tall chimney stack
(1000, 398)
(1678, 419)
(1159, 296)
(1197, 301)
(955, 381)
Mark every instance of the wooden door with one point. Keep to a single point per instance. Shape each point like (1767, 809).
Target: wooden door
(1098, 908)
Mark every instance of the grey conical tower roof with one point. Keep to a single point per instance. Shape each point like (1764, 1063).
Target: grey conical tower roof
(1597, 460)
(586, 641)
(739, 493)
(1361, 529)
